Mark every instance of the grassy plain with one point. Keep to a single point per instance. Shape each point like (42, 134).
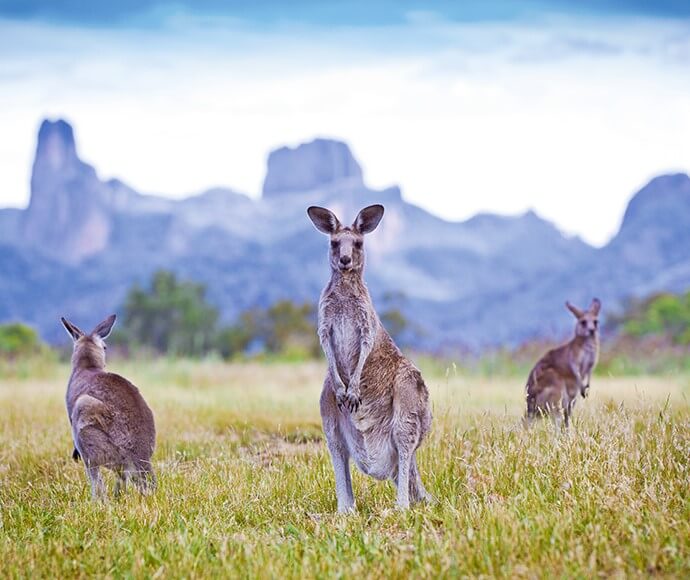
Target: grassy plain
(246, 487)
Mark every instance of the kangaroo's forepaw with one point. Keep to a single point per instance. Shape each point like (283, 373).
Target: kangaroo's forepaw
(349, 400)
(340, 398)
(584, 391)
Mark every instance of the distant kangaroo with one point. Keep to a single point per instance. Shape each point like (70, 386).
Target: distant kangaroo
(565, 372)
(374, 403)
(112, 426)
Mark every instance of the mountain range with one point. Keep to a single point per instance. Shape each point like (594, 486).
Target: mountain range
(82, 242)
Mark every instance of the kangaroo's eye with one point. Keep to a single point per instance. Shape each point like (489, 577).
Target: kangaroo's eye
(596, 323)
(583, 322)
(358, 244)
(335, 244)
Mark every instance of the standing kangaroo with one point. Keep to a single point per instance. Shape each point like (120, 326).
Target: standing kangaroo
(565, 372)
(112, 426)
(374, 403)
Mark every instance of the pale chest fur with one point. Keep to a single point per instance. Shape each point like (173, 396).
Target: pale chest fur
(345, 337)
(587, 357)
(346, 319)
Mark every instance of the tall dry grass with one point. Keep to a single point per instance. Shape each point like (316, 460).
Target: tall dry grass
(246, 487)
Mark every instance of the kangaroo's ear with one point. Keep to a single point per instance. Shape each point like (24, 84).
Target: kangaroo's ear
(576, 311)
(324, 219)
(74, 331)
(104, 328)
(368, 219)
(595, 306)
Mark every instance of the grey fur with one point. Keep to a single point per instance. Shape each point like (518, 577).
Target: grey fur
(112, 426)
(374, 403)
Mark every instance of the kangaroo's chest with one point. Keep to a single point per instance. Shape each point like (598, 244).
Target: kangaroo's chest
(588, 358)
(346, 319)
(345, 337)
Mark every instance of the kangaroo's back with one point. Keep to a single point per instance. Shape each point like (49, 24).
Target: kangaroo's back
(121, 409)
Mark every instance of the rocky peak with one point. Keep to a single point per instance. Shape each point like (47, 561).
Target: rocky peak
(56, 149)
(665, 196)
(656, 225)
(309, 166)
(67, 217)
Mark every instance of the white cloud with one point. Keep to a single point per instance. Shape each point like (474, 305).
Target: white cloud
(566, 119)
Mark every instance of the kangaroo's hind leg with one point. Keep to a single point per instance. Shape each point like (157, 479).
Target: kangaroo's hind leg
(410, 421)
(140, 473)
(120, 482)
(98, 491)
(417, 491)
(406, 438)
(532, 412)
(337, 447)
(96, 452)
(568, 406)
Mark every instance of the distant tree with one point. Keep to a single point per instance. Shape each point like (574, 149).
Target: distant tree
(234, 340)
(172, 316)
(18, 339)
(290, 327)
(284, 328)
(661, 314)
(392, 317)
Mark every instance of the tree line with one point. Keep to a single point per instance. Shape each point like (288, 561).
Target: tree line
(174, 317)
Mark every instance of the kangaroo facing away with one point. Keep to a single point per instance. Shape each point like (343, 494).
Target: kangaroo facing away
(112, 426)
(565, 372)
(374, 403)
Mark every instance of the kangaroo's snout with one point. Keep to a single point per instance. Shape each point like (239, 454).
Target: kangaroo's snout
(347, 251)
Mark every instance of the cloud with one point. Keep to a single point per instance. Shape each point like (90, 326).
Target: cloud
(564, 116)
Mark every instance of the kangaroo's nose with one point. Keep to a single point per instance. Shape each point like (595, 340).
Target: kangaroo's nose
(345, 260)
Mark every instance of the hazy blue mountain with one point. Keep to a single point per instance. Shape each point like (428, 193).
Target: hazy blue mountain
(82, 242)
(309, 166)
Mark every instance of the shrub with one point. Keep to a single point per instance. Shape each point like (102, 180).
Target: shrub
(18, 339)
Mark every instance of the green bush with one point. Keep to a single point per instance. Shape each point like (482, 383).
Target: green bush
(18, 339)
(23, 353)
(233, 340)
(285, 329)
(659, 315)
(172, 317)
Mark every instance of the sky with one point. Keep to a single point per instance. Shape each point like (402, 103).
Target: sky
(566, 108)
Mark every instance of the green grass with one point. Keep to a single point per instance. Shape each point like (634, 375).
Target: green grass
(246, 487)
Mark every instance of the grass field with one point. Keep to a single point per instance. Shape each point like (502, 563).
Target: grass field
(246, 487)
